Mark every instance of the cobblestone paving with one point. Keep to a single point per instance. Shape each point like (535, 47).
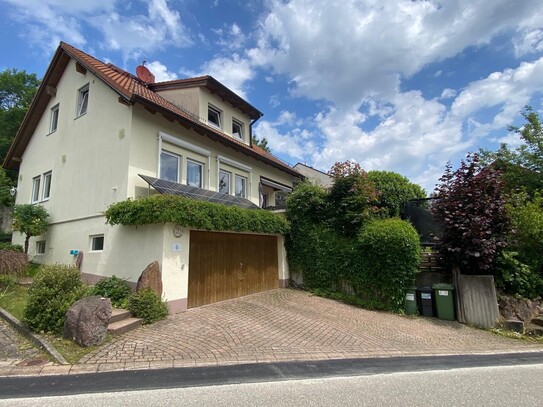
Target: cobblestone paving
(287, 324)
(14, 349)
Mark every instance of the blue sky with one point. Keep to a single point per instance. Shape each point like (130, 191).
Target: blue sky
(394, 85)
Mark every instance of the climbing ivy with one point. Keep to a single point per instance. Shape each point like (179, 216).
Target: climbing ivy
(157, 209)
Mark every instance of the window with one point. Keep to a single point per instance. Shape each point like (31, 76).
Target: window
(40, 247)
(169, 166)
(36, 189)
(241, 186)
(224, 182)
(54, 119)
(82, 100)
(97, 243)
(194, 174)
(264, 200)
(46, 193)
(214, 116)
(237, 129)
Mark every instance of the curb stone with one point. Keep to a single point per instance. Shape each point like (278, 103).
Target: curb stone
(34, 338)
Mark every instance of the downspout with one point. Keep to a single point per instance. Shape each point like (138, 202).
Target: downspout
(251, 144)
(159, 153)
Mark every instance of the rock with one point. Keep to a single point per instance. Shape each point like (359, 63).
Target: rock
(87, 321)
(151, 278)
(514, 325)
(537, 321)
(518, 308)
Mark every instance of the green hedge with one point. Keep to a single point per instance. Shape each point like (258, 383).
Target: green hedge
(157, 209)
(388, 260)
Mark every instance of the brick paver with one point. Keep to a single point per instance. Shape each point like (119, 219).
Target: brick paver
(16, 350)
(287, 324)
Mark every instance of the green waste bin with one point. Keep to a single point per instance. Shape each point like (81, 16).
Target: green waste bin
(411, 301)
(444, 297)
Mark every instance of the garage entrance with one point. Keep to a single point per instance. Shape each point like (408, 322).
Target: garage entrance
(230, 265)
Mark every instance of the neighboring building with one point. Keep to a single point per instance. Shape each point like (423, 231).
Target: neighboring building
(94, 131)
(315, 176)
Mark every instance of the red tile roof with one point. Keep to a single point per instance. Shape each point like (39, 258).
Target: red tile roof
(132, 90)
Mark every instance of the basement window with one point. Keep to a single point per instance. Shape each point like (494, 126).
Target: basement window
(97, 243)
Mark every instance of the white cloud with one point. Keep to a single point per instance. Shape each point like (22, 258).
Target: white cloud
(161, 71)
(295, 143)
(49, 21)
(350, 50)
(232, 72)
(448, 93)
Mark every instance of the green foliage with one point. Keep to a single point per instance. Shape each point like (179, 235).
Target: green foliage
(12, 262)
(471, 208)
(523, 166)
(54, 290)
(5, 186)
(12, 247)
(388, 259)
(17, 88)
(32, 220)
(395, 190)
(516, 278)
(148, 305)
(527, 219)
(196, 214)
(262, 143)
(114, 288)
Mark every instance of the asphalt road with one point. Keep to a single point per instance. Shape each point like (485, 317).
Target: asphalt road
(476, 386)
(106, 384)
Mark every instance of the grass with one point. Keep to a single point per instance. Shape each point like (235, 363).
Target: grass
(516, 335)
(13, 298)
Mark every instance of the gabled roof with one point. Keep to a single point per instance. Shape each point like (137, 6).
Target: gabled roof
(131, 90)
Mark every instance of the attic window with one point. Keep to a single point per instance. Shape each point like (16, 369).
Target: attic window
(82, 100)
(237, 129)
(214, 116)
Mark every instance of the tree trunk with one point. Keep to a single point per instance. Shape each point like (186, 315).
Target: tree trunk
(27, 239)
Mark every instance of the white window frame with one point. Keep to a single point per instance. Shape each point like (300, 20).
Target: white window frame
(40, 247)
(176, 156)
(218, 112)
(228, 185)
(36, 181)
(93, 239)
(244, 183)
(46, 191)
(82, 101)
(199, 164)
(53, 125)
(240, 135)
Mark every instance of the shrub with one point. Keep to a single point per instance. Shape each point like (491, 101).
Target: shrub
(12, 247)
(114, 288)
(148, 305)
(471, 208)
(6, 281)
(54, 290)
(516, 278)
(12, 262)
(388, 259)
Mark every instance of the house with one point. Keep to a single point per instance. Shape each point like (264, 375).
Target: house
(96, 134)
(315, 176)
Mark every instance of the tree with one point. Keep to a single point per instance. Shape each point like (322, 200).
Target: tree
(472, 209)
(395, 190)
(523, 166)
(5, 186)
(17, 89)
(32, 220)
(262, 143)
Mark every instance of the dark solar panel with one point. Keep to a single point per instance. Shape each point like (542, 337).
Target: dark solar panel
(199, 194)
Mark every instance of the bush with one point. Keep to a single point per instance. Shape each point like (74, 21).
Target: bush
(516, 278)
(12, 262)
(12, 247)
(53, 292)
(388, 260)
(114, 288)
(148, 305)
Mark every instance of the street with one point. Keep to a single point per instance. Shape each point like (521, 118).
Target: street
(492, 386)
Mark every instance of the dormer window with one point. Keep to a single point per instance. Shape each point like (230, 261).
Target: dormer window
(214, 116)
(237, 129)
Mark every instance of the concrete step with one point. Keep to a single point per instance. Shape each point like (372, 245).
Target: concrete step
(123, 326)
(118, 314)
(537, 321)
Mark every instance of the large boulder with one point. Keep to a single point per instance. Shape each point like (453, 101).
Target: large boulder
(87, 321)
(151, 278)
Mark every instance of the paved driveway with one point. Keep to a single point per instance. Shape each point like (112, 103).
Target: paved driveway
(288, 324)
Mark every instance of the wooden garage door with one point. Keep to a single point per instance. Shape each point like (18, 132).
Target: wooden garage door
(228, 265)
